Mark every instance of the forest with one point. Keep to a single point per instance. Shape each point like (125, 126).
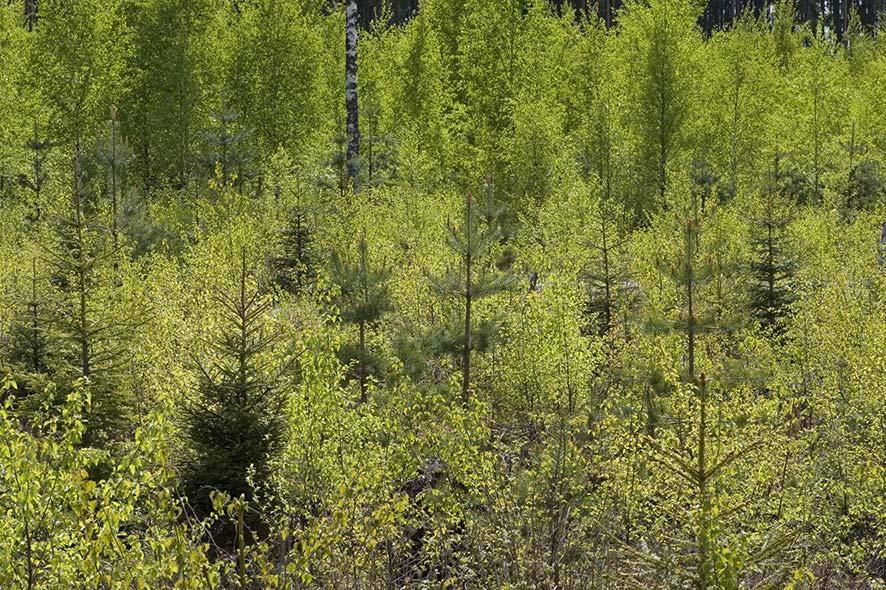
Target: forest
(449, 294)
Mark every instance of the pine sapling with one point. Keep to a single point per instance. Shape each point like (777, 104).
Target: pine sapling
(235, 421)
(364, 298)
(475, 278)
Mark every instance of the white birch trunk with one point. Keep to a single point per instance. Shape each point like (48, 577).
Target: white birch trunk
(351, 89)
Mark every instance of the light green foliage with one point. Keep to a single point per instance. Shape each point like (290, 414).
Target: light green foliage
(419, 98)
(78, 64)
(815, 82)
(574, 378)
(741, 74)
(274, 74)
(64, 528)
(172, 84)
(661, 80)
(13, 55)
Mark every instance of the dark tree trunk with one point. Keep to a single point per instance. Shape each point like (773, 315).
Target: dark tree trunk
(36, 349)
(690, 328)
(466, 351)
(400, 11)
(468, 293)
(30, 14)
(82, 329)
(351, 107)
(113, 162)
(362, 367)
(770, 277)
(607, 283)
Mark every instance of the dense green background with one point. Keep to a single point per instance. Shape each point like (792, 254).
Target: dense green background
(191, 285)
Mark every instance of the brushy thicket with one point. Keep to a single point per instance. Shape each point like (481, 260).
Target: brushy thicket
(603, 307)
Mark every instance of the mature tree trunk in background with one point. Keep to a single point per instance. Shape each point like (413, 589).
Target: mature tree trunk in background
(719, 14)
(867, 11)
(466, 345)
(351, 88)
(840, 18)
(367, 11)
(759, 7)
(30, 14)
(400, 11)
